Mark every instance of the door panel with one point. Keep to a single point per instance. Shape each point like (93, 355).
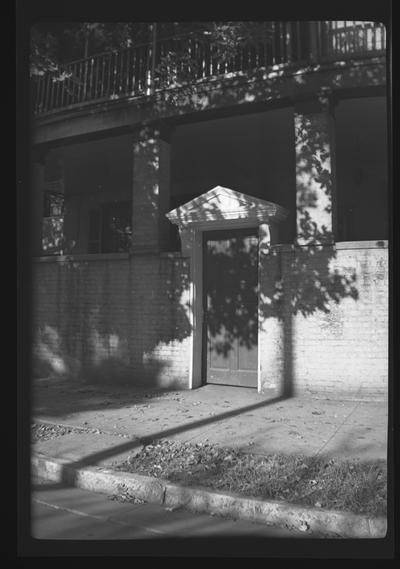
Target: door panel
(230, 306)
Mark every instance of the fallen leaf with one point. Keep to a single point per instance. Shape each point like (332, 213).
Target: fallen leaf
(304, 526)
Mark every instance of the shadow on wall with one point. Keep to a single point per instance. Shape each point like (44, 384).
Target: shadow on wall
(115, 321)
(146, 176)
(300, 280)
(108, 323)
(160, 311)
(232, 293)
(180, 95)
(131, 332)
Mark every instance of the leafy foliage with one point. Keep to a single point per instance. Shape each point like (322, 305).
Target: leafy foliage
(53, 44)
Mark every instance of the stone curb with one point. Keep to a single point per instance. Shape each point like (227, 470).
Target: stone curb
(329, 523)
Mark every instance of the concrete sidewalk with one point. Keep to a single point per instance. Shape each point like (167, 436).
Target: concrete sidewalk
(111, 424)
(227, 416)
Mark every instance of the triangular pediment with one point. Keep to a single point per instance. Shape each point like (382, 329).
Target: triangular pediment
(219, 204)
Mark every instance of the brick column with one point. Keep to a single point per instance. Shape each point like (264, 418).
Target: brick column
(315, 176)
(36, 202)
(151, 180)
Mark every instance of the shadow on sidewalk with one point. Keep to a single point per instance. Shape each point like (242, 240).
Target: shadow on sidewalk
(69, 477)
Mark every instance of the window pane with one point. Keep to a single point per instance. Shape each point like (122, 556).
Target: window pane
(53, 236)
(53, 204)
(117, 227)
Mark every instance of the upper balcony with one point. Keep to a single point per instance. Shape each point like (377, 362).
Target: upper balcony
(142, 70)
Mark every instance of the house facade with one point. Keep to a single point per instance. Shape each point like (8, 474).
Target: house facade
(224, 222)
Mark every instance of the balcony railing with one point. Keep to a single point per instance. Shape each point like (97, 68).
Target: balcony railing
(144, 69)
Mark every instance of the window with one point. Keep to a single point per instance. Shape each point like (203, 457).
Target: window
(53, 218)
(53, 204)
(110, 228)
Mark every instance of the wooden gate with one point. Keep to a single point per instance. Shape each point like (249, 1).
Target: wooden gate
(231, 307)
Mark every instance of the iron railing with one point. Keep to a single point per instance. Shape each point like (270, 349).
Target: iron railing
(171, 62)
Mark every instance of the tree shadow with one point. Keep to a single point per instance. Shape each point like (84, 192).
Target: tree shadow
(272, 84)
(69, 476)
(232, 293)
(296, 280)
(214, 50)
(342, 452)
(249, 283)
(92, 336)
(88, 333)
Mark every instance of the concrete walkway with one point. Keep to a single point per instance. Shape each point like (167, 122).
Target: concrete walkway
(112, 424)
(117, 417)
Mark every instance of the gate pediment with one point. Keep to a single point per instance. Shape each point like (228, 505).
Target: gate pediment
(223, 204)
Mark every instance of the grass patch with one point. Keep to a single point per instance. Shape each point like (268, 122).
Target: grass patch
(44, 432)
(47, 431)
(334, 483)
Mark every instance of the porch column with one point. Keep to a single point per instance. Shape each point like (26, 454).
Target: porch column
(36, 202)
(151, 180)
(315, 171)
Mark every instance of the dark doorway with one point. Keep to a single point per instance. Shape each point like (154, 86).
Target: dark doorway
(231, 307)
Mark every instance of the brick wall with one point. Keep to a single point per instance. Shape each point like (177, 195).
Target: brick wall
(123, 318)
(114, 318)
(328, 333)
